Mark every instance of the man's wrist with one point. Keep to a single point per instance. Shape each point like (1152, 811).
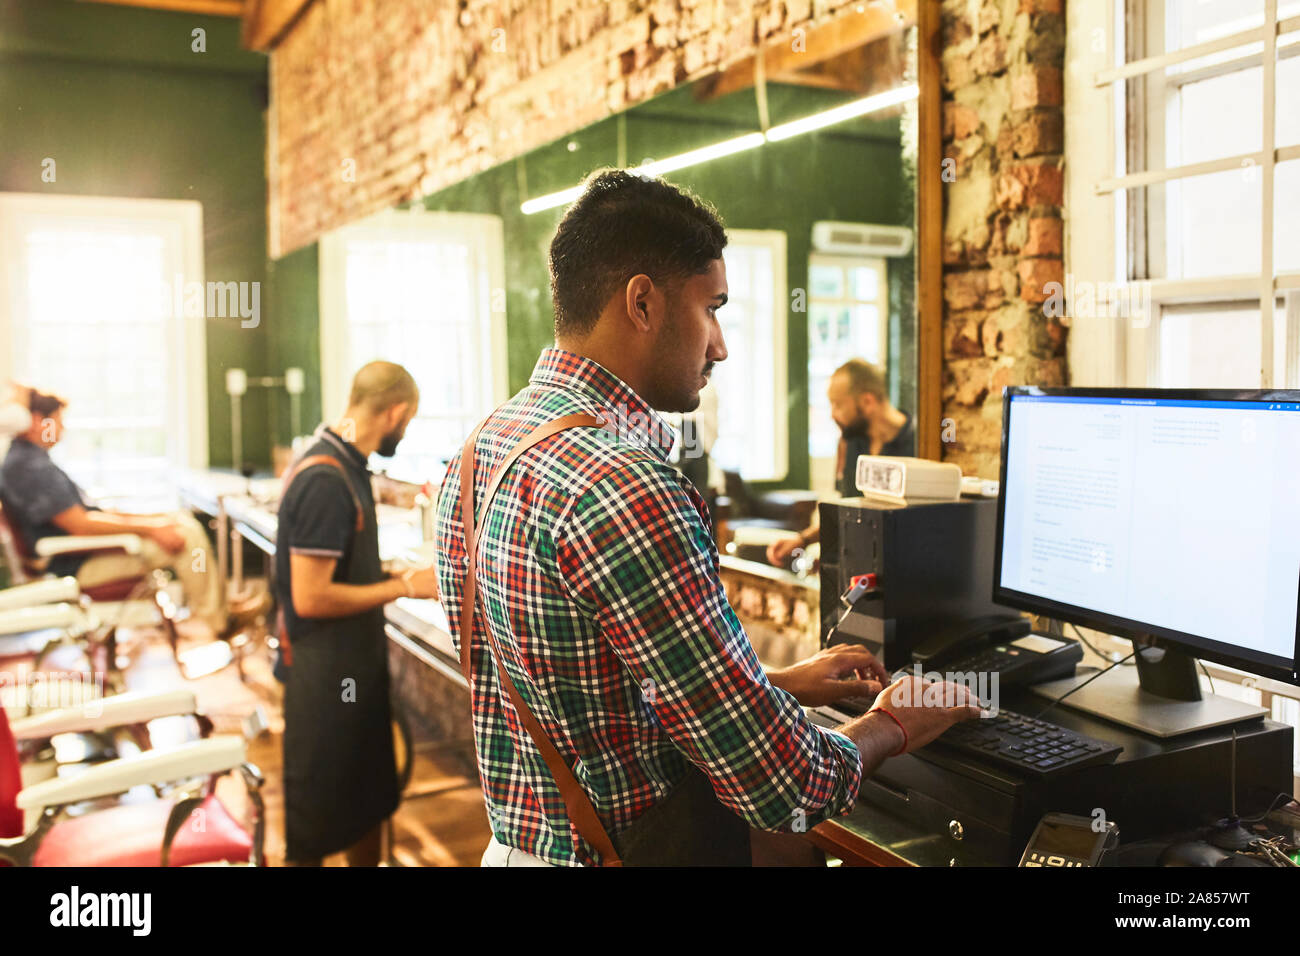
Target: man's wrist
(878, 733)
(399, 586)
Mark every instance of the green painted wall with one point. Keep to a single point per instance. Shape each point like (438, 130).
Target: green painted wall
(117, 97)
(854, 172)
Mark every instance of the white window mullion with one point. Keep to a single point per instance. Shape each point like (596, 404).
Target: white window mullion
(1266, 209)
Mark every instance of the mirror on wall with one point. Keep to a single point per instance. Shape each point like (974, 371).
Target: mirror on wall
(810, 161)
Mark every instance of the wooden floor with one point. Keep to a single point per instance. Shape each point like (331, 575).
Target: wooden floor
(441, 821)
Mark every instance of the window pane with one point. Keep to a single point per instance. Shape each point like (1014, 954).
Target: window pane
(1217, 346)
(1286, 222)
(825, 282)
(415, 301)
(845, 324)
(1211, 226)
(1287, 109)
(821, 330)
(103, 289)
(1231, 106)
(1219, 222)
(867, 320)
(866, 284)
(1189, 22)
(745, 382)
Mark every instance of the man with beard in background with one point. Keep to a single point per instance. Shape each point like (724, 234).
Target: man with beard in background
(340, 774)
(869, 425)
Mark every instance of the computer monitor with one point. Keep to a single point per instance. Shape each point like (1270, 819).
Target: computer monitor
(1171, 517)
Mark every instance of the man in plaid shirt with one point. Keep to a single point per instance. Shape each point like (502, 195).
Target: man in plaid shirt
(598, 572)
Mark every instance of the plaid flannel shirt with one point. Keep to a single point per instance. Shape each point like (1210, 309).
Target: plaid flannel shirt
(598, 574)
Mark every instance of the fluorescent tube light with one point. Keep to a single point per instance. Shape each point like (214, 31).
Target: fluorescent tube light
(738, 144)
(550, 201)
(655, 167)
(838, 114)
(702, 155)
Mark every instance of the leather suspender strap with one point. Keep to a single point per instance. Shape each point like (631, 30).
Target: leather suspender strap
(312, 460)
(282, 629)
(576, 802)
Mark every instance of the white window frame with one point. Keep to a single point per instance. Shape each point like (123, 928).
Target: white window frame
(775, 242)
(1124, 352)
(483, 234)
(181, 221)
(821, 469)
(1111, 351)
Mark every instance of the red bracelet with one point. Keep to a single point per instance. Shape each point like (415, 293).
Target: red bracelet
(902, 749)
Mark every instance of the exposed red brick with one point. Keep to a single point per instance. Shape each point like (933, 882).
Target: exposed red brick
(959, 121)
(1038, 133)
(1036, 86)
(1035, 274)
(990, 56)
(971, 380)
(1045, 237)
(973, 288)
(1028, 185)
(964, 340)
(989, 17)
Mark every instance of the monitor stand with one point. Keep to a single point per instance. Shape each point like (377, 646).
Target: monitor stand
(1161, 696)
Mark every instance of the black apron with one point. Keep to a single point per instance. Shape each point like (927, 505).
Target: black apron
(340, 773)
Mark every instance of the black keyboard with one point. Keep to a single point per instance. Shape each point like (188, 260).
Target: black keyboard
(1026, 743)
(1012, 740)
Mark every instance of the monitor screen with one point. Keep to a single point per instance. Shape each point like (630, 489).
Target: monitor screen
(1172, 513)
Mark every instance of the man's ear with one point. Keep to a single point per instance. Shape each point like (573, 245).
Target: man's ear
(396, 414)
(638, 292)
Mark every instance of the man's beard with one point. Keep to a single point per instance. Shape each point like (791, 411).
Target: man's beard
(388, 444)
(855, 429)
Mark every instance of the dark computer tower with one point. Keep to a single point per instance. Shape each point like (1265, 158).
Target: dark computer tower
(934, 567)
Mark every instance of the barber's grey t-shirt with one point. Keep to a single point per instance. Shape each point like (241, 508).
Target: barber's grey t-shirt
(34, 490)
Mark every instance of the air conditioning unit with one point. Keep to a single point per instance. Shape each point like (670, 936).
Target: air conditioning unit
(861, 239)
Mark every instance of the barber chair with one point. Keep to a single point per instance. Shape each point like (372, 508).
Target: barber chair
(141, 600)
(37, 617)
(124, 602)
(190, 826)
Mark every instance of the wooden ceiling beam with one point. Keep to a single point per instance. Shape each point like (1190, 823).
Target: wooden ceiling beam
(267, 21)
(214, 8)
(848, 31)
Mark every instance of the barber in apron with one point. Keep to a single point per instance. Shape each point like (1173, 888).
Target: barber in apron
(340, 777)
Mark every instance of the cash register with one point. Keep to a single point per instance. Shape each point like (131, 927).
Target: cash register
(1167, 517)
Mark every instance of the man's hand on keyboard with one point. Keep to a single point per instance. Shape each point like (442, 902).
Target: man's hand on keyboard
(925, 709)
(845, 670)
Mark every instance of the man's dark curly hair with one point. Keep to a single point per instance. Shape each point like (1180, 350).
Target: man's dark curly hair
(624, 225)
(44, 404)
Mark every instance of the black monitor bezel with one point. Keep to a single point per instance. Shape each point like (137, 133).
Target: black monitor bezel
(1265, 665)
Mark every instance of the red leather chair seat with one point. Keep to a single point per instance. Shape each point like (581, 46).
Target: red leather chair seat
(118, 590)
(131, 835)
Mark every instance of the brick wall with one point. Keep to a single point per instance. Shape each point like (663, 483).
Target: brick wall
(377, 103)
(1002, 131)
